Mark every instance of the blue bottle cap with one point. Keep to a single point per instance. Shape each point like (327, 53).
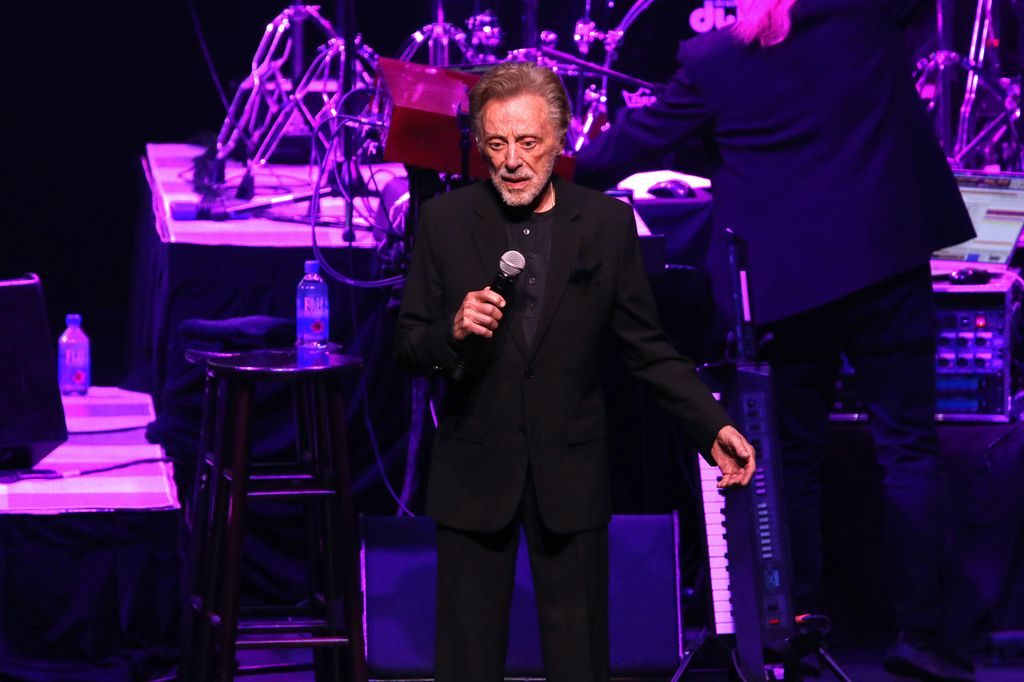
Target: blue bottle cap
(312, 267)
(73, 320)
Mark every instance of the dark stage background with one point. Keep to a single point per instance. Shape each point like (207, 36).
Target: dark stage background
(88, 84)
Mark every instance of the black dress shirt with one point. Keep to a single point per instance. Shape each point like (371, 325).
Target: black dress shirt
(531, 237)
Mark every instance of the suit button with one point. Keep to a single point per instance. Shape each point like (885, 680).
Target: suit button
(522, 429)
(528, 373)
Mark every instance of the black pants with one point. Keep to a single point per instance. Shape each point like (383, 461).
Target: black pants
(475, 579)
(888, 333)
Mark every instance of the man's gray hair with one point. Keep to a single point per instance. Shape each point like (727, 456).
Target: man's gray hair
(511, 79)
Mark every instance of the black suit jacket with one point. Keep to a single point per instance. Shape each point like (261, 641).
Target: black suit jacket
(541, 404)
(824, 159)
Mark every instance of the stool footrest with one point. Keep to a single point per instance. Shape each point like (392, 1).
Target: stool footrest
(291, 642)
(292, 492)
(291, 625)
(266, 668)
(281, 478)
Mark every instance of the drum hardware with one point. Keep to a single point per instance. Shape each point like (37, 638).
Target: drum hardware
(478, 47)
(981, 138)
(266, 90)
(486, 35)
(321, 83)
(998, 139)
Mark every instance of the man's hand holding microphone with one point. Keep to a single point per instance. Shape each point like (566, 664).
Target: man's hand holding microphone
(481, 310)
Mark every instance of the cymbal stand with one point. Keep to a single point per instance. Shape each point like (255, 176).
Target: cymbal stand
(592, 101)
(976, 143)
(266, 90)
(439, 37)
(976, 56)
(1000, 134)
(323, 75)
(978, 61)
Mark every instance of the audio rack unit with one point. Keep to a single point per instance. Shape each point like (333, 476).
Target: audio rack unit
(978, 359)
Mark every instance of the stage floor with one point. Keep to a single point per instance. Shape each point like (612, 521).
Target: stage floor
(861, 664)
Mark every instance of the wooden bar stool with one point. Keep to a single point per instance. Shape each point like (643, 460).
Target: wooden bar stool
(332, 626)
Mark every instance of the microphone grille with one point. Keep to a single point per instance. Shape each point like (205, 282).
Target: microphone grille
(512, 263)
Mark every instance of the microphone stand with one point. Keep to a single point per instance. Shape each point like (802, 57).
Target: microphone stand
(944, 11)
(530, 32)
(465, 122)
(347, 18)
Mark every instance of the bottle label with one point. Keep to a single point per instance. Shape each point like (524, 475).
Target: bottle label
(312, 319)
(74, 369)
(314, 306)
(75, 357)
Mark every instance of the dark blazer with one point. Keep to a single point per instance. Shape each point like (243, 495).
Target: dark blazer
(542, 404)
(824, 159)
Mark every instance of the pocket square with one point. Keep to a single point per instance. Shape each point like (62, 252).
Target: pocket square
(582, 274)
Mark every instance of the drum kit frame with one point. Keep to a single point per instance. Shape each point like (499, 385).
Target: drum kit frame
(281, 95)
(336, 104)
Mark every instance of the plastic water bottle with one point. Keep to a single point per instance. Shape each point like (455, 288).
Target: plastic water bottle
(312, 309)
(73, 358)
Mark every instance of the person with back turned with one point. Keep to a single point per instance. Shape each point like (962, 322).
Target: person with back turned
(824, 162)
(521, 433)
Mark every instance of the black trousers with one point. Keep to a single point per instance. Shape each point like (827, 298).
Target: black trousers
(888, 333)
(475, 580)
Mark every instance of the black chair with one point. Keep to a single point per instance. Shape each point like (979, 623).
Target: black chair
(214, 626)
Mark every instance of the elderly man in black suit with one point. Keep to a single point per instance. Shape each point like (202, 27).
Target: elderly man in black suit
(521, 435)
(825, 163)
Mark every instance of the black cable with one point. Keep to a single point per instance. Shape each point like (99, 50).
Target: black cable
(737, 668)
(313, 215)
(200, 36)
(380, 197)
(315, 203)
(366, 406)
(9, 477)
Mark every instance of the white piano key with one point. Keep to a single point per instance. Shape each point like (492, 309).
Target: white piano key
(719, 574)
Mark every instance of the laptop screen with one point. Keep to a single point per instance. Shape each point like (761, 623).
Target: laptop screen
(996, 204)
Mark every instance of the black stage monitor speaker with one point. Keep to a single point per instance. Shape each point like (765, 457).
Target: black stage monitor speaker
(31, 413)
(644, 616)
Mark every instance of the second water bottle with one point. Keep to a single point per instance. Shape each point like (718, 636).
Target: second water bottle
(312, 309)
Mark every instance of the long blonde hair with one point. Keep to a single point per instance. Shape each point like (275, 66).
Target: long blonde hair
(765, 21)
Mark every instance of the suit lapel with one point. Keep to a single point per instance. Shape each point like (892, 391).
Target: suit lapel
(565, 246)
(490, 236)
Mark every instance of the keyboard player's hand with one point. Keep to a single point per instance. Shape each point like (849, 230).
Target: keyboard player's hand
(734, 457)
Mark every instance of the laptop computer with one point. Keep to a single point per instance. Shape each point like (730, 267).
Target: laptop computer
(31, 413)
(995, 201)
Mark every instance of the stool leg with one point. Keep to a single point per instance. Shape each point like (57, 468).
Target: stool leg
(238, 450)
(340, 538)
(215, 515)
(194, 598)
(310, 435)
(328, 663)
(306, 437)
